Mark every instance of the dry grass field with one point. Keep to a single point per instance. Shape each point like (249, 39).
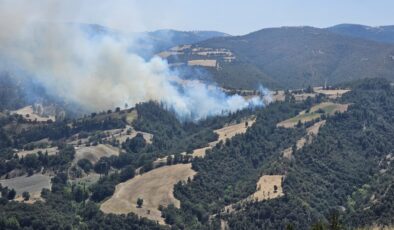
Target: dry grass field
(278, 96)
(50, 151)
(121, 135)
(32, 184)
(268, 187)
(328, 108)
(311, 131)
(202, 62)
(332, 94)
(303, 96)
(228, 131)
(154, 187)
(29, 115)
(94, 153)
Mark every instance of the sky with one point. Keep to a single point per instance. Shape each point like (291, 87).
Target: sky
(240, 17)
(231, 16)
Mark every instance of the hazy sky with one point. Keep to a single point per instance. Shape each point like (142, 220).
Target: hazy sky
(240, 17)
(231, 16)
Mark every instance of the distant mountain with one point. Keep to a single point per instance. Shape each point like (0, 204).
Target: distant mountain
(165, 39)
(150, 43)
(288, 57)
(379, 34)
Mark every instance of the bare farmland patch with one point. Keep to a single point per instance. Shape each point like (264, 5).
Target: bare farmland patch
(29, 114)
(50, 151)
(331, 93)
(278, 96)
(311, 131)
(303, 96)
(154, 187)
(94, 153)
(121, 135)
(202, 62)
(32, 184)
(268, 187)
(327, 108)
(228, 131)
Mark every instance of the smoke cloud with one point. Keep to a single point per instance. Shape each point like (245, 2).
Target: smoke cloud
(98, 72)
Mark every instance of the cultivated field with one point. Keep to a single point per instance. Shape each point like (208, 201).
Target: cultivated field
(32, 184)
(154, 187)
(94, 153)
(28, 114)
(327, 108)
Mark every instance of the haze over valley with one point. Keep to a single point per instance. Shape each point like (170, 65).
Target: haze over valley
(141, 115)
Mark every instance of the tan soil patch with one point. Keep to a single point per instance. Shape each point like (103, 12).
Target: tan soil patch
(166, 54)
(121, 134)
(328, 107)
(131, 116)
(155, 187)
(303, 96)
(278, 96)
(378, 228)
(51, 151)
(332, 94)
(232, 130)
(266, 188)
(181, 48)
(29, 115)
(228, 131)
(202, 62)
(94, 153)
(311, 131)
(32, 184)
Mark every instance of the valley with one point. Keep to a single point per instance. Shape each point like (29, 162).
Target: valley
(118, 115)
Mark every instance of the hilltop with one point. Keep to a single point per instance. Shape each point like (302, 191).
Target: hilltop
(374, 33)
(287, 57)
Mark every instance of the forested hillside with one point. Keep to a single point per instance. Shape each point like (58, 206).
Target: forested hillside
(289, 57)
(342, 176)
(379, 33)
(344, 171)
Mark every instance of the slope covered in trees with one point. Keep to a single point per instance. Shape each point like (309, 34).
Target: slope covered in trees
(344, 176)
(292, 57)
(344, 170)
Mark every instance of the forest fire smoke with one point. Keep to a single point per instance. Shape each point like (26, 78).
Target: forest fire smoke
(98, 72)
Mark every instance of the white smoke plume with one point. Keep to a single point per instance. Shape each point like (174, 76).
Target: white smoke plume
(99, 73)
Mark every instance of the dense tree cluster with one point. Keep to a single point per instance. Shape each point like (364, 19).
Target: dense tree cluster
(343, 179)
(346, 169)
